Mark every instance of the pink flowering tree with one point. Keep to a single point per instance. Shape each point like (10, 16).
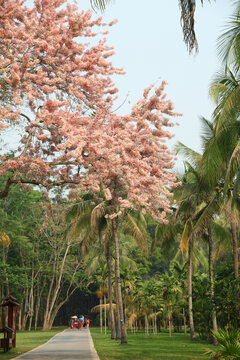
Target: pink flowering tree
(50, 79)
(57, 90)
(127, 158)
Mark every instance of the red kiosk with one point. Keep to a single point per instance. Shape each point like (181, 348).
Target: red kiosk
(9, 331)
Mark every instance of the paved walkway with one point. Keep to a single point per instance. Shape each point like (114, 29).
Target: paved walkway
(71, 344)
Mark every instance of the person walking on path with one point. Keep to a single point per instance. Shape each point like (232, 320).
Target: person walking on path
(67, 345)
(79, 324)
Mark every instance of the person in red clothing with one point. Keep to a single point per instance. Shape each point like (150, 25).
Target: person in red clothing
(88, 322)
(79, 324)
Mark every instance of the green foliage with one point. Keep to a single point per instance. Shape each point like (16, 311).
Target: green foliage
(229, 345)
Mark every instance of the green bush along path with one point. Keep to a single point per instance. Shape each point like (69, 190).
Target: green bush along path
(153, 347)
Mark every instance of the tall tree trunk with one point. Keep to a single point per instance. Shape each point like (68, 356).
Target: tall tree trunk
(131, 318)
(155, 323)
(110, 298)
(117, 321)
(31, 301)
(60, 304)
(214, 316)
(4, 261)
(146, 325)
(53, 292)
(184, 322)
(235, 249)
(170, 325)
(191, 323)
(20, 318)
(101, 322)
(105, 315)
(25, 309)
(37, 307)
(118, 283)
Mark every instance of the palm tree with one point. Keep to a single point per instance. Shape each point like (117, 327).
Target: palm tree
(187, 198)
(220, 168)
(222, 155)
(171, 296)
(179, 272)
(89, 222)
(205, 204)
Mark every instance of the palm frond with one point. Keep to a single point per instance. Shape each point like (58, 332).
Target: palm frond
(97, 212)
(228, 43)
(229, 341)
(98, 307)
(187, 20)
(233, 166)
(127, 262)
(192, 156)
(80, 208)
(206, 131)
(206, 214)
(159, 234)
(185, 235)
(212, 163)
(225, 91)
(222, 238)
(236, 189)
(99, 4)
(140, 235)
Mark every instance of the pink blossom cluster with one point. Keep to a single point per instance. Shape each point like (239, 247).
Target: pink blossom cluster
(127, 156)
(71, 136)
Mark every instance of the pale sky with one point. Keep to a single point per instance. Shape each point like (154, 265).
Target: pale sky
(149, 46)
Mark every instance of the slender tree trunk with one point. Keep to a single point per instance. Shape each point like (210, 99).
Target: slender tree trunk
(118, 284)
(134, 320)
(146, 325)
(20, 318)
(59, 305)
(25, 309)
(155, 323)
(46, 312)
(110, 298)
(53, 292)
(131, 318)
(4, 260)
(101, 322)
(125, 313)
(214, 316)
(191, 323)
(235, 249)
(117, 321)
(31, 302)
(170, 325)
(184, 322)
(105, 315)
(37, 307)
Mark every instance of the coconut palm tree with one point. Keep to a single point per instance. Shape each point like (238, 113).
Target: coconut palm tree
(89, 222)
(205, 204)
(221, 159)
(179, 273)
(220, 168)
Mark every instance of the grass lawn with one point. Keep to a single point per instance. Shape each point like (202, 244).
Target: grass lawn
(141, 347)
(28, 340)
